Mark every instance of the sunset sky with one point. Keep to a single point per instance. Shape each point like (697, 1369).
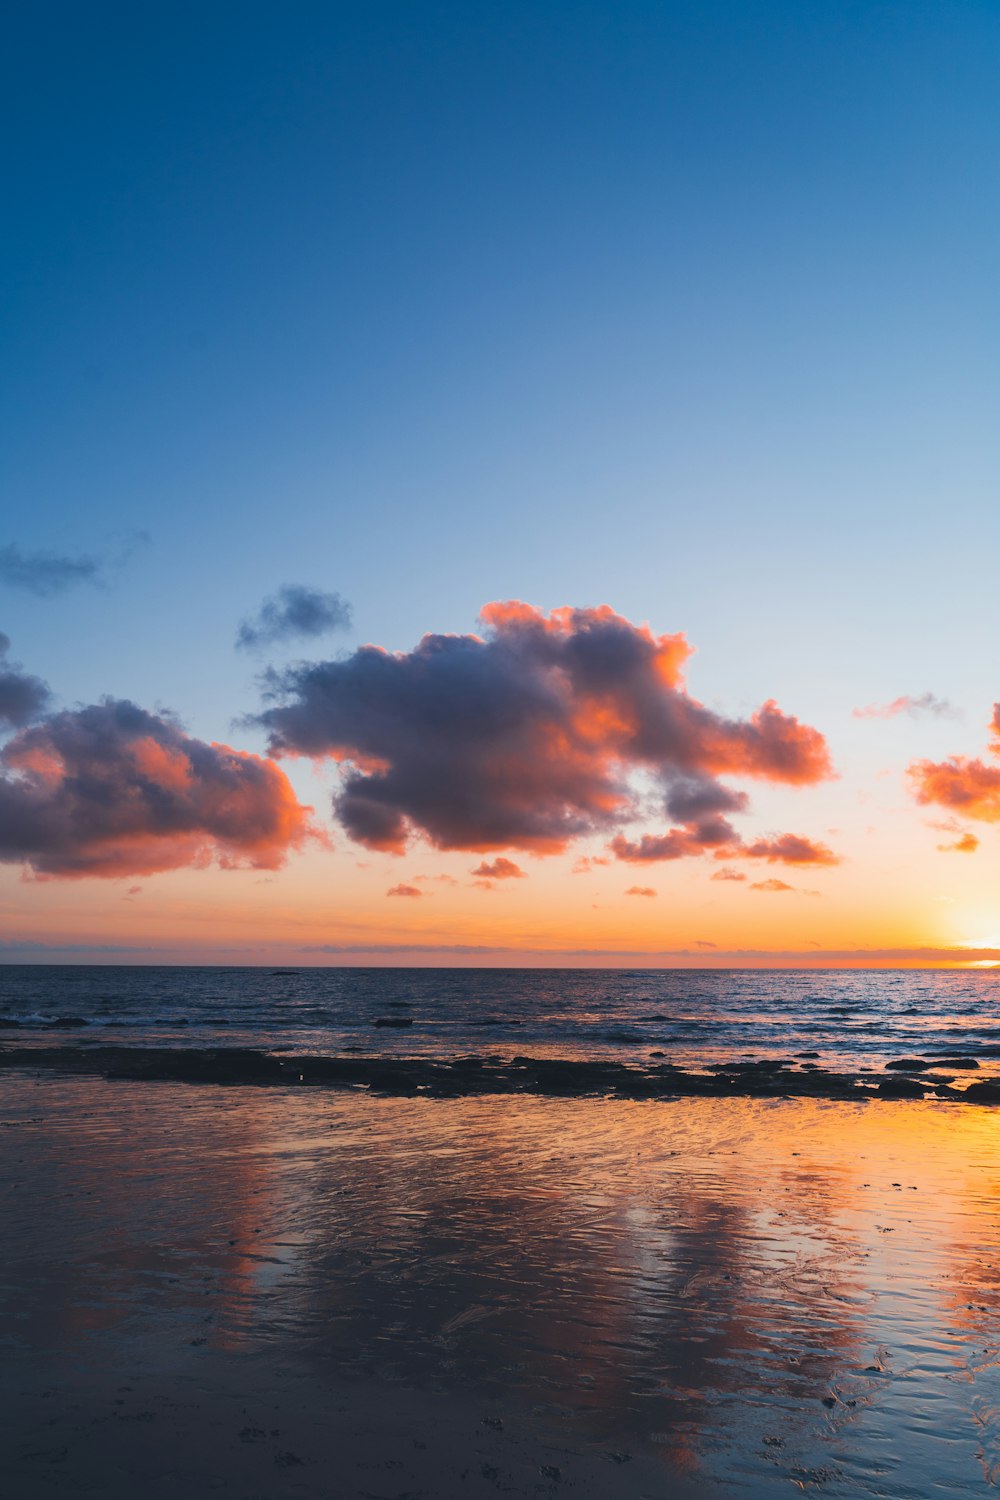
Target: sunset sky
(553, 447)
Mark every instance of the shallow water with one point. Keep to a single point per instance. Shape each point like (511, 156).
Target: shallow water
(771, 1294)
(847, 1019)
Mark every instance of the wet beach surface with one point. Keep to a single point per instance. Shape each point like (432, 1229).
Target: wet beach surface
(279, 1291)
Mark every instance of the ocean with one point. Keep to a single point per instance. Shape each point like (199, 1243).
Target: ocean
(846, 1020)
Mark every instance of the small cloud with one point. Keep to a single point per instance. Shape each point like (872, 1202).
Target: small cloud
(484, 885)
(967, 844)
(499, 869)
(640, 890)
(926, 703)
(22, 697)
(785, 849)
(404, 890)
(704, 943)
(588, 862)
(133, 890)
(45, 574)
(771, 885)
(439, 879)
(727, 874)
(293, 613)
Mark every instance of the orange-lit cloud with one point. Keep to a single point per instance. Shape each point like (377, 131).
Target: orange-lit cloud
(528, 736)
(926, 703)
(726, 874)
(112, 790)
(966, 844)
(499, 869)
(404, 890)
(786, 849)
(771, 885)
(640, 890)
(965, 785)
(720, 837)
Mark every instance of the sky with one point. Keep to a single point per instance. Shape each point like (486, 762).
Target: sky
(552, 447)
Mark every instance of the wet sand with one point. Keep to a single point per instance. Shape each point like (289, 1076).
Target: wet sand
(286, 1291)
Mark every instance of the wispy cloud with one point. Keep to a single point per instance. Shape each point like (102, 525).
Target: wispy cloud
(914, 707)
(293, 613)
(45, 574)
(404, 890)
(640, 890)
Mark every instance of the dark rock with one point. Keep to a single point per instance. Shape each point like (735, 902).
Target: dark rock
(986, 1092)
(955, 1062)
(908, 1065)
(901, 1088)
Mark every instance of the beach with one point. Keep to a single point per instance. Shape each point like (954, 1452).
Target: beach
(292, 1291)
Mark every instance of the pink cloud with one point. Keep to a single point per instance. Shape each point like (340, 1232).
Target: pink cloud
(528, 736)
(113, 790)
(926, 703)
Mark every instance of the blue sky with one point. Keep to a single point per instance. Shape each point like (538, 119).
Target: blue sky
(689, 309)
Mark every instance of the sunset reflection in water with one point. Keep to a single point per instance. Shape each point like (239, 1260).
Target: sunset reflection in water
(755, 1291)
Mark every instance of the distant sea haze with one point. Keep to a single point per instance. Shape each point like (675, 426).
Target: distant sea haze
(845, 1019)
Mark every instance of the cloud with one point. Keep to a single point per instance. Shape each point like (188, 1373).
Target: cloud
(966, 844)
(588, 862)
(527, 736)
(499, 869)
(718, 836)
(47, 573)
(112, 790)
(404, 890)
(640, 890)
(440, 879)
(963, 784)
(22, 697)
(788, 849)
(704, 943)
(771, 885)
(927, 703)
(727, 874)
(294, 613)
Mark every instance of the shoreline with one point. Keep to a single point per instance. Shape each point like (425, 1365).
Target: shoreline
(413, 1077)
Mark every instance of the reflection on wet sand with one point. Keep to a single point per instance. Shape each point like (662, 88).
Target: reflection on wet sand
(763, 1293)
